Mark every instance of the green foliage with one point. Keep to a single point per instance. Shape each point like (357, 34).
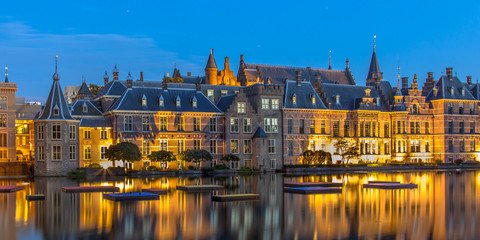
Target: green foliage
(438, 162)
(245, 169)
(316, 157)
(191, 168)
(172, 80)
(195, 155)
(94, 165)
(346, 150)
(230, 157)
(94, 88)
(458, 161)
(124, 151)
(162, 156)
(152, 168)
(220, 167)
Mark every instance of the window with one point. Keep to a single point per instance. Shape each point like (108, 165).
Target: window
(196, 144)
(265, 103)
(417, 127)
(212, 124)
(462, 145)
(234, 146)
(273, 163)
(180, 145)
(223, 92)
(374, 129)
(145, 123)
(3, 139)
(87, 152)
(41, 132)
(56, 152)
(294, 99)
(312, 126)
(241, 107)
(247, 146)
(247, 125)
(180, 123)
(270, 125)
(178, 102)
(472, 127)
(450, 145)
(301, 126)
(275, 104)
(399, 127)
(346, 129)
(289, 147)
(386, 129)
(72, 132)
(462, 127)
(163, 124)
(323, 127)
(194, 102)
(312, 145)
(234, 125)
(289, 125)
(128, 121)
(41, 153)
(414, 146)
(163, 144)
(367, 129)
(336, 128)
(56, 131)
(213, 146)
(3, 102)
(412, 127)
(450, 108)
(248, 163)
(161, 101)
(450, 126)
(460, 108)
(73, 152)
(472, 109)
(472, 145)
(103, 134)
(87, 134)
(103, 150)
(387, 148)
(196, 124)
(427, 128)
(146, 147)
(427, 146)
(210, 95)
(3, 120)
(271, 146)
(144, 101)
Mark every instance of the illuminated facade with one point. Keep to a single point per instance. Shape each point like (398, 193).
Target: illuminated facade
(7, 120)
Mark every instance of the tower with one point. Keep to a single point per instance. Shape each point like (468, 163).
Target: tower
(211, 70)
(374, 74)
(115, 73)
(56, 133)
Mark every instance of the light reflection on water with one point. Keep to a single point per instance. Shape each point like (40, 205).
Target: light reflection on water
(445, 206)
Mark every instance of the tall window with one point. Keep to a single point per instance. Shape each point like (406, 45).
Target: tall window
(362, 127)
(241, 107)
(41, 153)
(367, 129)
(145, 123)
(234, 125)
(427, 127)
(301, 126)
(180, 123)
(196, 124)
(271, 146)
(460, 108)
(336, 128)
(41, 132)
(472, 127)
(412, 128)
(450, 126)
(374, 129)
(462, 127)
(73, 152)
(265, 103)
(196, 144)
(87, 152)
(450, 108)
(56, 131)
(387, 148)
(289, 125)
(128, 121)
(386, 129)
(462, 145)
(312, 126)
(275, 104)
(450, 145)
(3, 102)
(427, 146)
(472, 145)
(273, 163)
(87, 134)
(213, 146)
(247, 146)
(472, 109)
(163, 144)
(103, 134)
(323, 126)
(212, 124)
(180, 145)
(346, 129)
(234, 146)
(3, 120)
(399, 127)
(289, 147)
(163, 124)
(56, 152)
(3, 139)
(103, 150)
(72, 132)
(210, 95)
(247, 125)
(417, 127)
(146, 147)
(271, 125)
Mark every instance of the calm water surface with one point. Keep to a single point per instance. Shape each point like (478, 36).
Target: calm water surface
(445, 206)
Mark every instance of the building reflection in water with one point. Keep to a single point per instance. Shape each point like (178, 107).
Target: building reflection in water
(445, 206)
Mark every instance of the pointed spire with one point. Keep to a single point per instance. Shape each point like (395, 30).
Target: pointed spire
(6, 73)
(83, 78)
(374, 37)
(56, 76)
(374, 74)
(330, 60)
(211, 60)
(398, 73)
(346, 63)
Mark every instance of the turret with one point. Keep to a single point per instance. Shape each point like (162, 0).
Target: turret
(115, 73)
(211, 70)
(105, 78)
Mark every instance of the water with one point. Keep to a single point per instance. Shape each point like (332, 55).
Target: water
(445, 206)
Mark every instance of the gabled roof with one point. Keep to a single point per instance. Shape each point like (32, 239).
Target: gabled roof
(303, 95)
(444, 87)
(259, 133)
(211, 60)
(225, 101)
(56, 100)
(113, 88)
(350, 96)
(131, 100)
(92, 108)
(279, 74)
(84, 90)
(374, 67)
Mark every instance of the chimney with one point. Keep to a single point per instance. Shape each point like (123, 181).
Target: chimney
(164, 85)
(227, 64)
(105, 78)
(430, 76)
(115, 73)
(404, 83)
(469, 80)
(141, 76)
(129, 81)
(298, 77)
(198, 87)
(189, 74)
(449, 73)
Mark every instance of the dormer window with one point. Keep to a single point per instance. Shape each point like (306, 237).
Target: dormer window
(144, 100)
(85, 108)
(177, 102)
(294, 98)
(463, 91)
(194, 102)
(452, 91)
(56, 111)
(337, 99)
(161, 101)
(313, 100)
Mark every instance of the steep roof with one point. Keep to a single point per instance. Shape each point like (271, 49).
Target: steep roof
(303, 96)
(259, 133)
(113, 88)
(350, 96)
(444, 88)
(84, 90)
(374, 67)
(211, 60)
(225, 101)
(91, 107)
(279, 74)
(56, 102)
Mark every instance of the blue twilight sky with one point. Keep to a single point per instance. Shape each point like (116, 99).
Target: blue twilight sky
(151, 36)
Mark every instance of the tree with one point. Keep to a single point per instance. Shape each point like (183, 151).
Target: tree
(196, 156)
(124, 151)
(94, 88)
(316, 157)
(308, 157)
(173, 80)
(162, 156)
(230, 158)
(346, 150)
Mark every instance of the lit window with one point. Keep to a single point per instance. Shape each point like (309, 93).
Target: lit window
(87, 134)
(177, 102)
(144, 101)
(57, 152)
(294, 99)
(56, 131)
(73, 152)
(210, 94)
(146, 147)
(234, 125)
(163, 124)
(194, 102)
(146, 123)
(275, 104)
(161, 101)
(241, 107)
(223, 92)
(313, 100)
(234, 146)
(87, 152)
(103, 150)
(265, 103)
(180, 123)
